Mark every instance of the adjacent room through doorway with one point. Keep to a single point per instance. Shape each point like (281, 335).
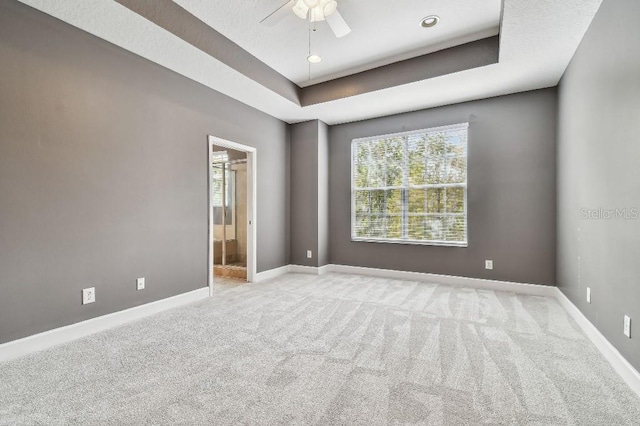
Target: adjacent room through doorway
(229, 211)
(232, 211)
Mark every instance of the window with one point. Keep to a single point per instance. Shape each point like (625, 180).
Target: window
(411, 187)
(219, 160)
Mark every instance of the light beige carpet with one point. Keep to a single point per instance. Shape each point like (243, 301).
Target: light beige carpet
(336, 350)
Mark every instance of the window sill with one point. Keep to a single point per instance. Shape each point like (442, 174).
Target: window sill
(411, 242)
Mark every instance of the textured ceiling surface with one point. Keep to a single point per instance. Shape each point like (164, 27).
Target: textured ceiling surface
(383, 31)
(538, 39)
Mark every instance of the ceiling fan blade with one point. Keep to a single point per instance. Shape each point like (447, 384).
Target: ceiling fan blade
(277, 15)
(338, 24)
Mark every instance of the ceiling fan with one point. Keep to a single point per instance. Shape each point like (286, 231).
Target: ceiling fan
(314, 11)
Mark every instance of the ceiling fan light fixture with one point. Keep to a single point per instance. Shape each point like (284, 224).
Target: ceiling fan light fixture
(329, 6)
(314, 59)
(429, 21)
(316, 14)
(300, 9)
(311, 3)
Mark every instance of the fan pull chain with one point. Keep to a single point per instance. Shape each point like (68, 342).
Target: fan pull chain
(309, 53)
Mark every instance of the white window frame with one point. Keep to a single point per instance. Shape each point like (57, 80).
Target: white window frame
(405, 185)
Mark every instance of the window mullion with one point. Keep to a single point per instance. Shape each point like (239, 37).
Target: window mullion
(405, 186)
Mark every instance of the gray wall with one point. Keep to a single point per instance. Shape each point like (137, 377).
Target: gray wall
(323, 194)
(475, 54)
(173, 18)
(103, 175)
(511, 192)
(304, 192)
(598, 167)
(309, 149)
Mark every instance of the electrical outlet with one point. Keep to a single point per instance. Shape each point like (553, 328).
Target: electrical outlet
(88, 295)
(627, 326)
(140, 283)
(588, 294)
(309, 254)
(488, 264)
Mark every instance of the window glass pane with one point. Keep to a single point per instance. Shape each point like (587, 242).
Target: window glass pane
(454, 229)
(435, 200)
(435, 228)
(362, 202)
(361, 153)
(361, 165)
(436, 144)
(394, 201)
(361, 225)
(416, 228)
(394, 175)
(416, 160)
(435, 157)
(456, 169)
(216, 185)
(394, 226)
(376, 228)
(455, 200)
(377, 163)
(456, 143)
(378, 201)
(435, 170)
(394, 161)
(361, 176)
(416, 201)
(370, 226)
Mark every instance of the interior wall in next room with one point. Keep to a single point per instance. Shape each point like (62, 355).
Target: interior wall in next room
(511, 191)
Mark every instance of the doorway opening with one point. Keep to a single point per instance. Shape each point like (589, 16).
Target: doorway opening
(232, 171)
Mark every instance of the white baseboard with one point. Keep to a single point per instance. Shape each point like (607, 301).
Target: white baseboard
(324, 269)
(531, 289)
(630, 375)
(57, 336)
(271, 273)
(314, 270)
(301, 269)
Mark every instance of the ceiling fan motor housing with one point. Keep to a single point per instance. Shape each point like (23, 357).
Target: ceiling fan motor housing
(316, 10)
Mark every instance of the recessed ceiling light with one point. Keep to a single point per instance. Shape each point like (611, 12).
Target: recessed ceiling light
(429, 21)
(314, 59)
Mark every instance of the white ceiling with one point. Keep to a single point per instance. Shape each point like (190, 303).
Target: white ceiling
(538, 39)
(382, 32)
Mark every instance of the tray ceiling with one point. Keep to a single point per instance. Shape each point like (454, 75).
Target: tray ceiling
(383, 32)
(537, 42)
